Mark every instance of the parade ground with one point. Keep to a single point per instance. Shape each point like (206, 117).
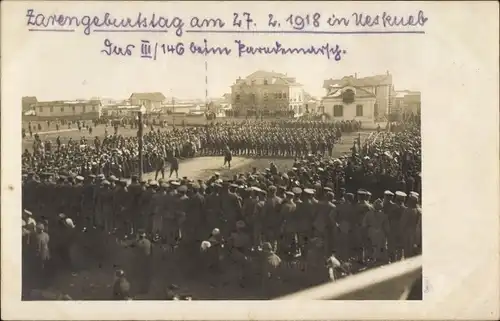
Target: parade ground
(94, 281)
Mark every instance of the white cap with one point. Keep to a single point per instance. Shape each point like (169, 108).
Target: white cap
(215, 231)
(388, 193)
(69, 222)
(205, 245)
(401, 194)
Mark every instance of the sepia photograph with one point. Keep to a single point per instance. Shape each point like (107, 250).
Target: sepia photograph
(256, 194)
(242, 155)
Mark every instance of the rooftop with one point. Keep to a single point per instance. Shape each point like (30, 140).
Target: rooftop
(155, 96)
(377, 80)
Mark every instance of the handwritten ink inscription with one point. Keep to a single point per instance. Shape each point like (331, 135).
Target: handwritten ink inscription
(151, 50)
(236, 23)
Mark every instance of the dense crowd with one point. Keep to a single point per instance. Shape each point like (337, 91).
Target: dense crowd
(363, 207)
(118, 155)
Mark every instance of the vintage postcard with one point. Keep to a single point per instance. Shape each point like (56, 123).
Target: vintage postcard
(263, 160)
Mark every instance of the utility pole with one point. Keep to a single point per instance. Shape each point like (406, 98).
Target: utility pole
(140, 135)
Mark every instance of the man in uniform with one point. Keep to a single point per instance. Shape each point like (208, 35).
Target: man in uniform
(287, 213)
(230, 207)
(394, 240)
(228, 157)
(195, 220)
(121, 287)
(271, 218)
(306, 213)
(174, 166)
(42, 252)
(409, 223)
(376, 225)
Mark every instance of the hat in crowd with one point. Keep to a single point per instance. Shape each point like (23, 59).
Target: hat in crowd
(105, 182)
(327, 189)
(69, 223)
(164, 185)
(240, 224)
(40, 226)
(79, 178)
(217, 174)
(153, 183)
(141, 232)
(233, 185)
(195, 186)
(205, 245)
(309, 191)
(123, 181)
(255, 189)
(297, 190)
(271, 188)
(175, 183)
(401, 194)
(182, 189)
(112, 178)
(288, 193)
(27, 212)
(120, 273)
(362, 192)
(414, 195)
(215, 231)
(61, 216)
(388, 193)
(101, 176)
(330, 195)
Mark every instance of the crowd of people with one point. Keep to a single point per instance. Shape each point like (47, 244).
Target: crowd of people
(362, 207)
(118, 155)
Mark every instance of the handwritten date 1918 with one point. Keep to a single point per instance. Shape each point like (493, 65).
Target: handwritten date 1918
(299, 22)
(111, 49)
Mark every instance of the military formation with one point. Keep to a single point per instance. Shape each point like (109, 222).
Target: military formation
(362, 207)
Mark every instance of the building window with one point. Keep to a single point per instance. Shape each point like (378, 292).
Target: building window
(375, 90)
(280, 95)
(51, 109)
(83, 109)
(300, 98)
(321, 109)
(284, 95)
(93, 108)
(338, 111)
(265, 81)
(73, 108)
(238, 97)
(359, 110)
(62, 109)
(266, 96)
(40, 109)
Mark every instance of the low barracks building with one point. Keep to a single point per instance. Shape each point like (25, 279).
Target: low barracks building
(85, 109)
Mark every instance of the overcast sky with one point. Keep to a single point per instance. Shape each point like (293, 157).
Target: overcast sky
(69, 65)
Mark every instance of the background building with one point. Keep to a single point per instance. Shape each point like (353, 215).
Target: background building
(267, 93)
(28, 103)
(406, 102)
(78, 109)
(349, 102)
(149, 100)
(379, 85)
